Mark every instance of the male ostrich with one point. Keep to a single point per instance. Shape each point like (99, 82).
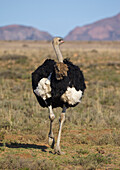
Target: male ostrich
(58, 84)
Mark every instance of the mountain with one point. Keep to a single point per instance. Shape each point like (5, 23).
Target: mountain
(105, 29)
(20, 32)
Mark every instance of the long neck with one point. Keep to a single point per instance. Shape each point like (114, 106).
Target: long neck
(58, 53)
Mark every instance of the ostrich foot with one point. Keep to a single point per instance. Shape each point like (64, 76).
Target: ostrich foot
(51, 142)
(58, 151)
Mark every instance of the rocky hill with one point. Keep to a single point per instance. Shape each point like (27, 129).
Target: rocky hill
(20, 32)
(105, 29)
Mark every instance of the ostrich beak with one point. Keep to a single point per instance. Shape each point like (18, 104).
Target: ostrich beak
(62, 41)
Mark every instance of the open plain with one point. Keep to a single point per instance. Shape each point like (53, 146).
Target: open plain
(91, 133)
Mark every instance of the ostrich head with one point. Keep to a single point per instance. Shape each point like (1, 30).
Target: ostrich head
(57, 41)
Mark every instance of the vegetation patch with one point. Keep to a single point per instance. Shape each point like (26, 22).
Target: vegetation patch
(21, 59)
(10, 162)
(91, 161)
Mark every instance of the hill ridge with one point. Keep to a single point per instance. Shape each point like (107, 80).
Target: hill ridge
(104, 29)
(22, 32)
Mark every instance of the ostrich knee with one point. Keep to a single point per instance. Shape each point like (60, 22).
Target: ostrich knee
(62, 118)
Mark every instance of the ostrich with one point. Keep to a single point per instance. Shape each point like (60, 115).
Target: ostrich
(58, 84)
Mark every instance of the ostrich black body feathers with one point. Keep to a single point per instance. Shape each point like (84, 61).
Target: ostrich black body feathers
(74, 79)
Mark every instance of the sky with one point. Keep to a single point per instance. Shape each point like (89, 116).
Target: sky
(58, 17)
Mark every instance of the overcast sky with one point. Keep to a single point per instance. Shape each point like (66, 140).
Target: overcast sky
(57, 17)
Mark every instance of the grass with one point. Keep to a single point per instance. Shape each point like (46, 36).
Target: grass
(91, 161)
(91, 133)
(23, 164)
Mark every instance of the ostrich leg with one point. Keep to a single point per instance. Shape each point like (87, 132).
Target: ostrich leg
(51, 139)
(61, 121)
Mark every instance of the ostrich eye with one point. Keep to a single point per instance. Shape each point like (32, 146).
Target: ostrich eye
(60, 39)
